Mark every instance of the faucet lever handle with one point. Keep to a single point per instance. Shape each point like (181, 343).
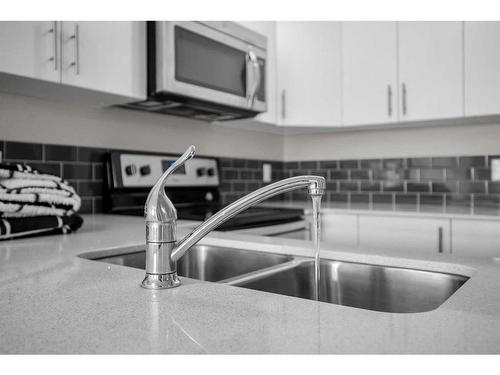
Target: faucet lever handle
(188, 154)
(158, 207)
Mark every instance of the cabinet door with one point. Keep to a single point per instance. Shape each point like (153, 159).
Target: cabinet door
(404, 233)
(268, 29)
(430, 70)
(339, 229)
(105, 56)
(482, 68)
(369, 66)
(309, 73)
(30, 49)
(476, 238)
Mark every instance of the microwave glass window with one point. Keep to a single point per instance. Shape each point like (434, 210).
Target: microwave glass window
(204, 62)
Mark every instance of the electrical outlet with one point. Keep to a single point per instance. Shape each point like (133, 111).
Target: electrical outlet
(495, 169)
(266, 172)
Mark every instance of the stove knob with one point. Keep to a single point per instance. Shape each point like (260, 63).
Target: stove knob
(210, 172)
(130, 170)
(200, 172)
(145, 170)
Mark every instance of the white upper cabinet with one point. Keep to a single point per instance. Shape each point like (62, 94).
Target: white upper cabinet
(369, 79)
(268, 29)
(30, 49)
(430, 70)
(482, 68)
(309, 73)
(105, 56)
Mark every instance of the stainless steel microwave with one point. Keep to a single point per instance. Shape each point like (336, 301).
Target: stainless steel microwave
(212, 71)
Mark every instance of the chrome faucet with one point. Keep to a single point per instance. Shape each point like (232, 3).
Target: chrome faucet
(162, 249)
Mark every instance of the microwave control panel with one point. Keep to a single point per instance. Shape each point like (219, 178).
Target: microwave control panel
(140, 170)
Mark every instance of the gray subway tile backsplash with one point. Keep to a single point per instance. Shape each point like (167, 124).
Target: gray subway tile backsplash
(418, 162)
(486, 204)
(445, 162)
(472, 161)
(458, 204)
(452, 184)
(383, 201)
(23, 151)
(348, 164)
(494, 187)
(61, 153)
(431, 203)
(482, 174)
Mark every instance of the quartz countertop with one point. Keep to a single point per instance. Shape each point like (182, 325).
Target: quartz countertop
(52, 301)
(332, 208)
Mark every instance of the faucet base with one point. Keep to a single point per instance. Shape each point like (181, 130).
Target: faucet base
(161, 281)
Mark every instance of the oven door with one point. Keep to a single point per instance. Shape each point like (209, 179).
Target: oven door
(199, 61)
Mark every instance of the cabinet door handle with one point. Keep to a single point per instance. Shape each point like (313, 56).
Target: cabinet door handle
(440, 239)
(283, 104)
(389, 100)
(403, 90)
(76, 38)
(53, 30)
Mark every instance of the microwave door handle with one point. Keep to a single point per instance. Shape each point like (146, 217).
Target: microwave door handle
(257, 78)
(253, 77)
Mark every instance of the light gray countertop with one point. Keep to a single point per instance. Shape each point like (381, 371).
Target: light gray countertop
(52, 301)
(332, 208)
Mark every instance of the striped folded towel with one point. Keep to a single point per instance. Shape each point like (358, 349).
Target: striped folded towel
(38, 225)
(33, 203)
(26, 192)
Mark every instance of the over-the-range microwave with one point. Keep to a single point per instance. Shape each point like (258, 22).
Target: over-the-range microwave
(211, 71)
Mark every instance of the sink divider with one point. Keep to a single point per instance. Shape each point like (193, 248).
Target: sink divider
(264, 272)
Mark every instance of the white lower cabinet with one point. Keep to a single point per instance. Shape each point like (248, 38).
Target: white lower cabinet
(339, 229)
(462, 237)
(404, 233)
(476, 238)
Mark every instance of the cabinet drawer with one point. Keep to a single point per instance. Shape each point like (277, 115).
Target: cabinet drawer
(476, 238)
(404, 233)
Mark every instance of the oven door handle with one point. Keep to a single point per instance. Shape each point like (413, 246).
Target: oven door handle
(253, 76)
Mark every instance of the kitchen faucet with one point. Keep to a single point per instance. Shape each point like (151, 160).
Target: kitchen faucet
(162, 248)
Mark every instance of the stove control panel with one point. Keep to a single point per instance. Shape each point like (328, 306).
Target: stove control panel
(139, 170)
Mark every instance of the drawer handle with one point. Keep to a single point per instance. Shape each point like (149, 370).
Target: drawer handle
(440, 239)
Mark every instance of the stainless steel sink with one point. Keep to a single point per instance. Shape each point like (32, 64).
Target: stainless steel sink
(371, 287)
(378, 288)
(209, 263)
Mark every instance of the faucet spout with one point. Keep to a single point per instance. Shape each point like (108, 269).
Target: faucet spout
(315, 184)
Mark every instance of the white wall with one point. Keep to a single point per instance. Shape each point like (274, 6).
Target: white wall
(35, 120)
(477, 139)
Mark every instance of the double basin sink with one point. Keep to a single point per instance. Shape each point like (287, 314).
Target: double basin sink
(365, 286)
